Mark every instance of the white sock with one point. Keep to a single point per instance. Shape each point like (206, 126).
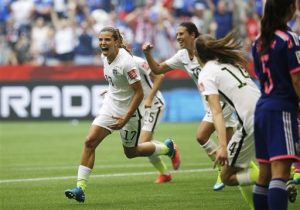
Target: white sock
(83, 173)
(243, 177)
(160, 148)
(209, 147)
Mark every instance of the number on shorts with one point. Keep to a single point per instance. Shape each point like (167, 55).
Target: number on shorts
(232, 148)
(129, 135)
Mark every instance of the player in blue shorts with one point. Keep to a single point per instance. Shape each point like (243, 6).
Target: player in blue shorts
(276, 54)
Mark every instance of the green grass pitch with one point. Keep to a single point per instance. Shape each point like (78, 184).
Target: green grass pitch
(39, 160)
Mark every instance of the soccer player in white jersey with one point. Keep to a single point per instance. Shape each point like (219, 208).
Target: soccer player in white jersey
(185, 60)
(118, 112)
(223, 78)
(153, 109)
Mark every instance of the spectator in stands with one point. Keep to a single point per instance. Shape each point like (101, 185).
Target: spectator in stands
(223, 19)
(22, 14)
(50, 55)
(60, 7)
(39, 41)
(42, 8)
(4, 11)
(65, 37)
(22, 48)
(7, 56)
(84, 51)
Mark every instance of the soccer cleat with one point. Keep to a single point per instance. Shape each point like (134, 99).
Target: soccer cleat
(170, 144)
(75, 193)
(173, 153)
(219, 185)
(291, 190)
(176, 158)
(162, 178)
(296, 178)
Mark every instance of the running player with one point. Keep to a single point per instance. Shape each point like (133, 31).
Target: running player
(118, 112)
(153, 108)
(185, 60)
(223, 78)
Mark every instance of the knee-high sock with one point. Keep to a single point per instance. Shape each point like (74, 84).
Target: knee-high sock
(277, 195)
(158, 164)
(209, 147)
(260, 197)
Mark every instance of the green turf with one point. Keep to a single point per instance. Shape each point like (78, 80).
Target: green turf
(51, 150)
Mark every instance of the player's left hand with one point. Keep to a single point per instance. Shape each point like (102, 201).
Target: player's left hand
(147, 103)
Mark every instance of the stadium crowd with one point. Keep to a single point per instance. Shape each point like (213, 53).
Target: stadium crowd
(51, 32)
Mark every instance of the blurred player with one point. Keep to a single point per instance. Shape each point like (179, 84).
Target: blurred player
(276, 54)
(223, 79)
(118, 112)
(153, 106)
(185, 60)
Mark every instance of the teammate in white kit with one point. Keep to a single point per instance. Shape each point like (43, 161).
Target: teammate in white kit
(153, 109)
(185, 60)
(118, 112)
(223, 78)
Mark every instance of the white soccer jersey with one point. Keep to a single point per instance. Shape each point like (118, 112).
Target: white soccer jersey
(234, 87)
(146, 81)
(120, 74)
(181, 60)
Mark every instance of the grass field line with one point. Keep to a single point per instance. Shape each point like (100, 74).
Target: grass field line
(108, 166)
(100, 176)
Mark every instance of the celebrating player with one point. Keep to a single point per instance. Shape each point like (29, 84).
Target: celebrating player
(185, 60)
(223, 78)
(153, 107)
(118, 112)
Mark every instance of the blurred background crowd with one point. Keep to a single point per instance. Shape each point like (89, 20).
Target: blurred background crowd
(55, 32)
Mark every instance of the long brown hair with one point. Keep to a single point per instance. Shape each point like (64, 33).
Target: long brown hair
(274, 18)
(117, 37)
(225, 50)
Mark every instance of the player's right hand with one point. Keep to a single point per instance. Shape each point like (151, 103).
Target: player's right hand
(147, 47)
(221, 157)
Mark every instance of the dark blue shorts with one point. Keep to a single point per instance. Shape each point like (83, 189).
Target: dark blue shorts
(276, 135)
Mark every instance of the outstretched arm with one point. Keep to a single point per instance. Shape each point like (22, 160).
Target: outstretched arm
(155, 67)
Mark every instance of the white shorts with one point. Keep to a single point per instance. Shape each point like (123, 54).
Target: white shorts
(152, 117)
(241, 149)
(130, 133)
(229, 117)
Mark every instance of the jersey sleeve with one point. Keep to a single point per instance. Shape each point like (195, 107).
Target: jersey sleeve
(144, 67)
(130, 71)
(175, 62)
(208, 82)
(293, 53)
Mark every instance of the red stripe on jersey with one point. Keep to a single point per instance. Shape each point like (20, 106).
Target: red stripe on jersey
(132, 74)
